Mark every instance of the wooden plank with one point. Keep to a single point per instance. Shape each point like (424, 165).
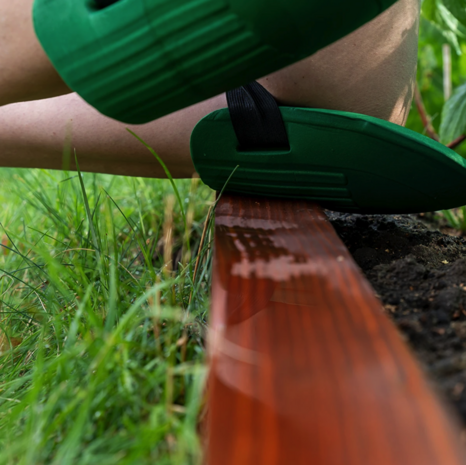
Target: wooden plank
(306, 369)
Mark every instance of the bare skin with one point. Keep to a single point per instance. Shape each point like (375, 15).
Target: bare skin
(371, 71)
(25, 71)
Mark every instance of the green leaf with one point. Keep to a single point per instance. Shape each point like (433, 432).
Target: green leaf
(440, 15)
(454, 116)
(451, 21)
(457, 9)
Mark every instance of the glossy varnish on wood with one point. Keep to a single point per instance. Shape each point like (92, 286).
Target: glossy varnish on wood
(306, 368)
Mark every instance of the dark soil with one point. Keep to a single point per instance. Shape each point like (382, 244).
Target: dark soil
(420, 276)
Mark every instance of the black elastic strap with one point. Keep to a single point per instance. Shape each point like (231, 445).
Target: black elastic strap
(104, 3)
(257, 119)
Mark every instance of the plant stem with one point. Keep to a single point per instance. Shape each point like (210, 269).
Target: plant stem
(423, 114)
(447, 86)
(457, 142)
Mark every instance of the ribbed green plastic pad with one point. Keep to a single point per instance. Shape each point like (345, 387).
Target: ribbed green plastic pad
(138, 60)
(345, 161)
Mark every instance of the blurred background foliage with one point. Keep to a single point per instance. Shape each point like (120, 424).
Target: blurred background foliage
(441, 76)
(439, 107)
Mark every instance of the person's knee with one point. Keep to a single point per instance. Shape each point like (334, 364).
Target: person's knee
(371, 71)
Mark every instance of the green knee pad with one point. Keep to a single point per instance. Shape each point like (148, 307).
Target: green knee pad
(137, 60)
(344, 161)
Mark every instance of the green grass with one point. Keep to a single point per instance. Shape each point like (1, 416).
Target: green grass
(456, 218)
(101, 354)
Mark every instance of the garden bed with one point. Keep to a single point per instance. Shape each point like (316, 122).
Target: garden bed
(419, 274)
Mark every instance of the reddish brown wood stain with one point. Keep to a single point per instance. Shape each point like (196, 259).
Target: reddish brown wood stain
(306, 369)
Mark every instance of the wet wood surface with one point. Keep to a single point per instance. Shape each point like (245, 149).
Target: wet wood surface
(305, 366)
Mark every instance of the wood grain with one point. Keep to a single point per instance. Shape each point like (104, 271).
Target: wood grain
(305, 367)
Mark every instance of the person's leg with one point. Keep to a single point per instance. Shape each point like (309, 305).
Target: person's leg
(33, 135)
(371, 71)
(25, 71)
